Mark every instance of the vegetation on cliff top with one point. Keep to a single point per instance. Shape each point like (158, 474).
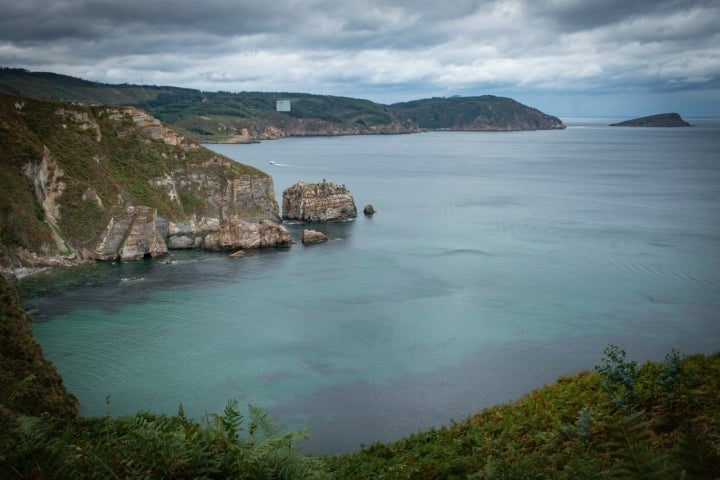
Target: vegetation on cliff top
(623, 420)
(225, 116)
(474, 113)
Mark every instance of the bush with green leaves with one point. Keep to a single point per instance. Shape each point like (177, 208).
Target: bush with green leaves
(618, 375)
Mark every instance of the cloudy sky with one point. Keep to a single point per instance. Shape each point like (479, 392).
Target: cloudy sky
(565, 57)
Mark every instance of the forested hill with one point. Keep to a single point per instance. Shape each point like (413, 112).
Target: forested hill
(251, 116)
(485, 113)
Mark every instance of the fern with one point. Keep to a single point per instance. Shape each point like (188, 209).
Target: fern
(632, 449)
(260, 423)
(232, 421)
(698, 457)
(492, 470)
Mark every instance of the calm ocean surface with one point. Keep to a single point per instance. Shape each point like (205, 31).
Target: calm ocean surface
(495, 263)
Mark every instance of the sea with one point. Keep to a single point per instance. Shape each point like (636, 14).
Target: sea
(496, 263)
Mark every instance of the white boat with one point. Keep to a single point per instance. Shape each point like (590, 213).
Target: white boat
(272, 162)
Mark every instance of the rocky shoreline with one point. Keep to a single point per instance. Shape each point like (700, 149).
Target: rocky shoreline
(139, 232)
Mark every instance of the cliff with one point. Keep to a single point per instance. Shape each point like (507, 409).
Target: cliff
(106, 183)
(659, 120)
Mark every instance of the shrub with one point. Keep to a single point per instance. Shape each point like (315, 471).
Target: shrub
(618, 375)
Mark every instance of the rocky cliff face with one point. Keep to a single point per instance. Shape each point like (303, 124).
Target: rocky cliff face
(318, 202)
(108, 183)
(131, 234)
(236, 233)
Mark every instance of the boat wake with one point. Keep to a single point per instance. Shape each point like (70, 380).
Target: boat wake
(276, 164)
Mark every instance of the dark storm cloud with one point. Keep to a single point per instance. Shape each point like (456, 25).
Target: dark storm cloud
(42, 20)
(578, 15)
(373, 46)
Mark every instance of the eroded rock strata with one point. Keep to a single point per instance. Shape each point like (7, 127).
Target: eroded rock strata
(318, 202)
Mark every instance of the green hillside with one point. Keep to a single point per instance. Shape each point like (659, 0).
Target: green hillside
(252, 116)
(474, 113)
(53, 86)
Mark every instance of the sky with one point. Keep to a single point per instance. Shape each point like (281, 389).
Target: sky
(570, 58)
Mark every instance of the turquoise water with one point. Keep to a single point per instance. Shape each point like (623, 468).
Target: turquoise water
(495, 263)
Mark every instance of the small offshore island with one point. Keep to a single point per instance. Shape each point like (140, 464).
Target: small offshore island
(659, 120)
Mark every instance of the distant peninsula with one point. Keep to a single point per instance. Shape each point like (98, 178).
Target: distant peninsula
(659, 120)
(249, 117)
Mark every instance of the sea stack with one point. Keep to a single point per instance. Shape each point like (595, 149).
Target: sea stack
(318, 202)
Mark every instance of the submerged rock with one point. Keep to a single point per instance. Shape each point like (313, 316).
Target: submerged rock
(369, 210)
